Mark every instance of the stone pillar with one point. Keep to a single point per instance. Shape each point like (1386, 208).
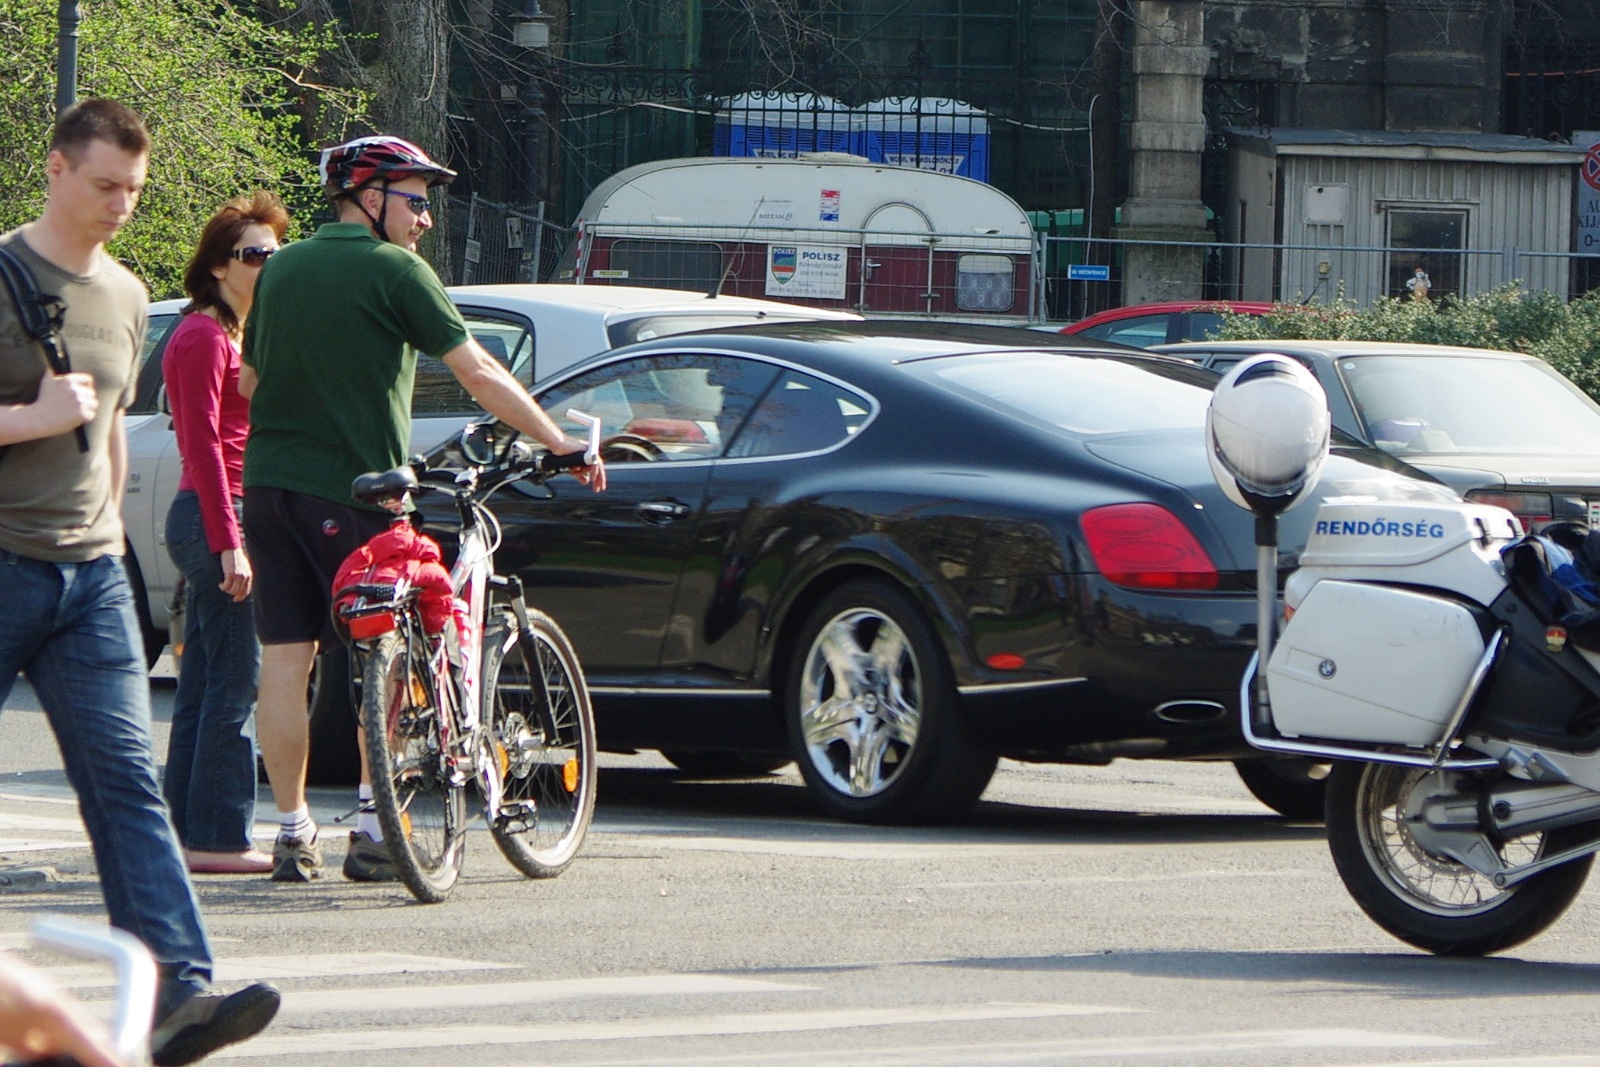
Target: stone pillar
(1166, 139)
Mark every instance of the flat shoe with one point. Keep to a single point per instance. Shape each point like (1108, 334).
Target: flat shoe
(251, 862)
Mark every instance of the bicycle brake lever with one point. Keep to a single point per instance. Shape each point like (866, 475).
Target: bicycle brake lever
(592, 452)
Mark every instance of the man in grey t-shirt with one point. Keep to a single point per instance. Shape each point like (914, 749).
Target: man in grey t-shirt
(70, 623)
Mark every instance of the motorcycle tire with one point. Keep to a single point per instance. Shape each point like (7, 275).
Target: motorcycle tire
(1429, 900)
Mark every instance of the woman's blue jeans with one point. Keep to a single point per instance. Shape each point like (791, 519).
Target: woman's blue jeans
(211, 758)
(72, 629)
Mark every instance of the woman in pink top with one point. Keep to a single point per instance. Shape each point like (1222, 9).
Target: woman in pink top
(210, 782)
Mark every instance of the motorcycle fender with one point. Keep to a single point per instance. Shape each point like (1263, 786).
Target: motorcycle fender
(1363, 662)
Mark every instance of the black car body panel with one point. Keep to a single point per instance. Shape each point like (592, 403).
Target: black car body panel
(684, 584)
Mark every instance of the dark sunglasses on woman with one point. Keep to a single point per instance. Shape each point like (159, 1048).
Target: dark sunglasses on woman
(252, 256)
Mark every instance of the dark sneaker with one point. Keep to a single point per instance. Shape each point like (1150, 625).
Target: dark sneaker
(368, 860)
(212, 1020)
(294, 860)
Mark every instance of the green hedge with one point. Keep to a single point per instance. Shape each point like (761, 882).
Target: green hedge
(1564, 334)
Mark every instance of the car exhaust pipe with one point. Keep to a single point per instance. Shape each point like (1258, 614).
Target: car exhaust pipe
(1190, 711)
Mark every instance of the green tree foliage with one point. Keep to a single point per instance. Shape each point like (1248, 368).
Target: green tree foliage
(1564, 334)
(221, 92)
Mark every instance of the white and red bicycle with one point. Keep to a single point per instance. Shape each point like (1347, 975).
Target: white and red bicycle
(497, 698)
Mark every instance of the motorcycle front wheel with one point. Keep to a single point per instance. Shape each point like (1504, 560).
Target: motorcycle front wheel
(1427, 899)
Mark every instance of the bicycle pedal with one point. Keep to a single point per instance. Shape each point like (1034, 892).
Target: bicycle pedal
(517, 817)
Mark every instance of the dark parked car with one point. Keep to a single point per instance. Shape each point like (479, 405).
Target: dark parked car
(1500, 428)
(894, 553)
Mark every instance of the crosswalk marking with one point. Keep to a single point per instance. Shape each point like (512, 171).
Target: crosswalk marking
(419, 1037)
(259, 968)
(500, 994)
(307, 1032)
(1176, 1048)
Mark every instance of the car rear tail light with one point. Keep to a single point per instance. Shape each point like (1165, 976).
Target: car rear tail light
(1145, 546)
(1529, 508)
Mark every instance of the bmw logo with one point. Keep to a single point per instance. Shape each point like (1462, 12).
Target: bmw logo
(1327, 668)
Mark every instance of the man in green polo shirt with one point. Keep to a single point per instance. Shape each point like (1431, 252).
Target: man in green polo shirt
(330, 352)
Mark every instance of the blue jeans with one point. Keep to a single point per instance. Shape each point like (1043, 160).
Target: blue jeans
(210, 781)
(71, 628)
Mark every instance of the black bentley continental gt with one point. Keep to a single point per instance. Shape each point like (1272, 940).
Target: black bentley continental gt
(894, 553)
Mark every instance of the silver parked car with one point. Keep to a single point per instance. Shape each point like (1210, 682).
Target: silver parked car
(1500, 428)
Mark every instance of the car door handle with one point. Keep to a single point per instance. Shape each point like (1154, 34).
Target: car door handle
(661, 510)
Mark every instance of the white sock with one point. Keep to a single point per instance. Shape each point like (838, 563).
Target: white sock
(367, 817)
(297, 824)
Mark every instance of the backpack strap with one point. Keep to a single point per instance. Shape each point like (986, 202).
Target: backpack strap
(42, 317)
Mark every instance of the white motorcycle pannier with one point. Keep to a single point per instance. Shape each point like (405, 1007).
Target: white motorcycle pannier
(1361, 662)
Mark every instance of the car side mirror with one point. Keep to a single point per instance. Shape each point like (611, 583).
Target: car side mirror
(486, 442)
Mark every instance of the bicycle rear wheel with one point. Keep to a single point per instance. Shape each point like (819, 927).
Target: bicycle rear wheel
(546, 754)
(423, 815)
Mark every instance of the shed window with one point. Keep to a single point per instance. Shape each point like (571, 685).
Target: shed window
(1429, 238)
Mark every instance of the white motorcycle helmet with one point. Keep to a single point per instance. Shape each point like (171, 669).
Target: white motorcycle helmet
(1267, 433)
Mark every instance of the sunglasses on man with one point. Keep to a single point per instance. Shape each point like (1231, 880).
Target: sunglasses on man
(252, 256)
(418, 204)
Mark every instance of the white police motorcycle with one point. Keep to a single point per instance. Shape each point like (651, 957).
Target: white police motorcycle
(1427, 654)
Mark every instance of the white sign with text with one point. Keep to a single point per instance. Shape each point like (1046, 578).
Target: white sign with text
(816, 271)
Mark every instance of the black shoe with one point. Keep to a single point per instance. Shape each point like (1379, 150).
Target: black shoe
(369, 860)
(212, 1020)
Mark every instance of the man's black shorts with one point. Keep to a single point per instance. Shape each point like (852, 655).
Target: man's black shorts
(296, 542)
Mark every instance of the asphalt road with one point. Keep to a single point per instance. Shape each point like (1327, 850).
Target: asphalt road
(1142, 913)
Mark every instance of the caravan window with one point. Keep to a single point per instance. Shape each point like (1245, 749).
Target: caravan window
(671, 264)
(985, 283)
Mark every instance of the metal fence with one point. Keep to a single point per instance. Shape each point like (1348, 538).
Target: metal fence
(1303, 273)
(492, 243)
(981, 277)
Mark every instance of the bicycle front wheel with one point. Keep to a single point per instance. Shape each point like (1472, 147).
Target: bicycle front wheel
(543, 733)
(423, 815)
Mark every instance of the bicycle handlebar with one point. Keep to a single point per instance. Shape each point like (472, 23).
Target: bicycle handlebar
(549, 463)
(516, 463)
(136, 976)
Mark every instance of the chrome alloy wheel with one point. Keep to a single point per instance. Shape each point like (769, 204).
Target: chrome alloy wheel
(861, 702)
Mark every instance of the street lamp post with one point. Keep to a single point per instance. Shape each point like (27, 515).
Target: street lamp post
(67, 20)
(530, 31)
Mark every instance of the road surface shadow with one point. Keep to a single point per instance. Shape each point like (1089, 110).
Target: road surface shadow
(659, 795)
(1413, 974)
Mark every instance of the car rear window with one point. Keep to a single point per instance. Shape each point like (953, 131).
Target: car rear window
(648, 327)
(1081, 394)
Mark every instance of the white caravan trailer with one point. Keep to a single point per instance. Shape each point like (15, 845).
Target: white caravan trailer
(826, 229)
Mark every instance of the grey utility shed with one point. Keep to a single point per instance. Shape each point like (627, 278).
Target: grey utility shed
(1363, 210)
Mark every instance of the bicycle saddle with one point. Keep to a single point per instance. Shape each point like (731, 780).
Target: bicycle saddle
(372, 487)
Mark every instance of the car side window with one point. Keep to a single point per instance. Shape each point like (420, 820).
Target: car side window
(507, 339)
(800, 414)
(150, 390)
(669, 407)
(1202, 326)
(1140, 332)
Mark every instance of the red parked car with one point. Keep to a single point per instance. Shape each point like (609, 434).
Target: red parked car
(1143, 325)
